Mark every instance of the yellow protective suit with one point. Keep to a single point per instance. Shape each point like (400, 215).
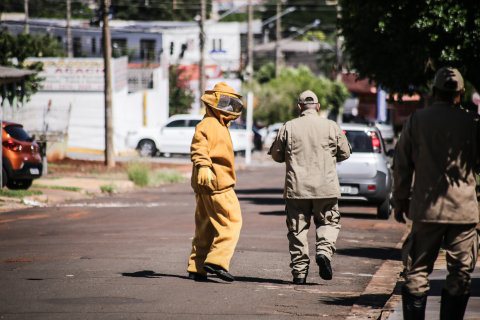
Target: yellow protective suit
(218, 218)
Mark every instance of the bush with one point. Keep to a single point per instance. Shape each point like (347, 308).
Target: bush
(276, 99)
(142, 175)
(19, 193)
(138, 173)
(165, 176)
(108, 188)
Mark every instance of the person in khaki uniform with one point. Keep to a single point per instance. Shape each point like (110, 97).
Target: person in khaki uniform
(218, 218)
(311, 146)
(439, 150)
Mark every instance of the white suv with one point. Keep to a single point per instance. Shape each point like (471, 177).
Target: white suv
(176, 137)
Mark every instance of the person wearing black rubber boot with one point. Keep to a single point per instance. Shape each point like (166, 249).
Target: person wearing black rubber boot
(438, 150)
(311, 147)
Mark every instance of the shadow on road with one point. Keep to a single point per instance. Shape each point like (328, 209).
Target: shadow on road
(278, 191)
(264, 201)
(261, 280)
(355, 215)
(372, 253)
(369, 300)
(153, 274)
(436, 286)
(272, 213)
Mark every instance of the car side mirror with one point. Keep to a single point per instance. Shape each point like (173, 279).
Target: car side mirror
(33, 137)
(391, 153)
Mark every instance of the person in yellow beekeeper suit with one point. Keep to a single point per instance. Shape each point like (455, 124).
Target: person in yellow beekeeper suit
(218, 218)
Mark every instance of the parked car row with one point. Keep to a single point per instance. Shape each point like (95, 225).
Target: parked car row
(366, 176)
(176, 136)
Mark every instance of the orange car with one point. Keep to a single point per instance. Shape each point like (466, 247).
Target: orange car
(21, 157)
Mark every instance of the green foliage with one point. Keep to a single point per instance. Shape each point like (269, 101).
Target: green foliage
(181, 97)
(156, 10)
(277, 98)
(138, 173)
(306, 12)
(64, 188)
(401, 43)
(108, 188)
(19, 193)
(142, 175)
(165, 176)
(47, 8)
(265, 73)
(15, 50)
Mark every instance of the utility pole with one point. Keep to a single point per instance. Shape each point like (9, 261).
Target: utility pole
(250, 41)
(107, 55)
(201, 65)
(339, 44)
(278, 35)
(26, 29)
(69, 29)
(249, 117)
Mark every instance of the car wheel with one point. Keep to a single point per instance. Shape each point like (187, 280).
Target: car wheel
(23, 184)
(147, 148)
(384, 209)
(4, 178)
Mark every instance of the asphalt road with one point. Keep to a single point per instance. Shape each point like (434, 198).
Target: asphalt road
(124, 257)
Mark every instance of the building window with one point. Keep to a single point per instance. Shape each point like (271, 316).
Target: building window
(119, 47)
(147, 50)
(77, 47)
(217, 45)
(94, 45)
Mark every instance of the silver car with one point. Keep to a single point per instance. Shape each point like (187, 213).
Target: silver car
(366, 176)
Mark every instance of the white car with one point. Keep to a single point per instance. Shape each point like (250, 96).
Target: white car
(271, 134)
(176, 137)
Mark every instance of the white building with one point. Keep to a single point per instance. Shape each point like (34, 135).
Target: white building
(72, 101)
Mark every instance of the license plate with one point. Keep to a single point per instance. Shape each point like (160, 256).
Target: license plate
(34, 171)
(348, 190)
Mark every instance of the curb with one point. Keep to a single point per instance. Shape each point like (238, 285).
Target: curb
(383, 283)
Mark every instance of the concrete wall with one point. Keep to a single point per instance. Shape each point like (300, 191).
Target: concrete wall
(80, 114)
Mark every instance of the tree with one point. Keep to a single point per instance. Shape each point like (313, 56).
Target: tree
(16, 49)
(276, 98)
(47, 8)
(181, 97)
(156, 10)
(400, 44)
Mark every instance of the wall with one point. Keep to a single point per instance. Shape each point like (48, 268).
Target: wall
(78, 110)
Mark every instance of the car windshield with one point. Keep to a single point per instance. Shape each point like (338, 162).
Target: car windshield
(360, 141)
(17, 133)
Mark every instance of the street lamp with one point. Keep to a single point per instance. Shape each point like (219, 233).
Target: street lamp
(272, 19)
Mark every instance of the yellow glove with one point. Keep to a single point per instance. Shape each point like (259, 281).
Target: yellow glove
(205, 176)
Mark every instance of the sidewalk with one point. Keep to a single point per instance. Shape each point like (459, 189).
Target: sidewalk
(437, 280)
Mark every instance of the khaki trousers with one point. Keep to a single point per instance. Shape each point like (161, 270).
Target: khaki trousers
(218, 221)
(326, 218)
(421, 248)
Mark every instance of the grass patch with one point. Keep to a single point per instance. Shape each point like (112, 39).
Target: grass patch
(65, 188)
(165, 176)
(108, 188)
(138, 173)
(142, 175)
(19, 193)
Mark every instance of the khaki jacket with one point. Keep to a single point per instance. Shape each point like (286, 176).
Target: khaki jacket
(310, 146)
(439, 149)
(212, 147)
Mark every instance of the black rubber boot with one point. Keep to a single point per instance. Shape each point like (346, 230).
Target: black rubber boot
(453, 307)
(413, 306)
(219, 271)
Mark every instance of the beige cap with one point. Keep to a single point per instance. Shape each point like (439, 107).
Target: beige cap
(307, 97)
(448, 79)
